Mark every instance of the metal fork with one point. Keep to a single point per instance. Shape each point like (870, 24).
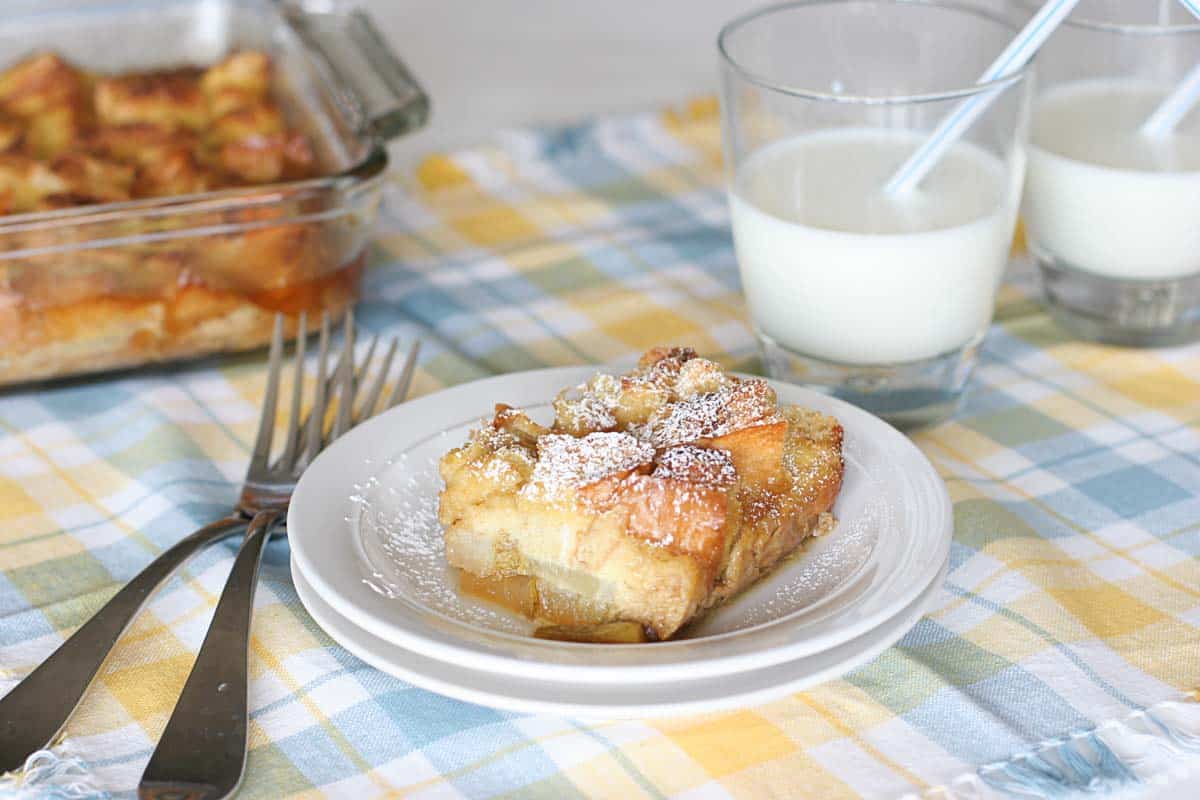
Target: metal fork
(202, 752)
(35, 710)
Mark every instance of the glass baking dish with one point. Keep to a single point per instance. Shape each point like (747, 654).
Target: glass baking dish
(123, 284)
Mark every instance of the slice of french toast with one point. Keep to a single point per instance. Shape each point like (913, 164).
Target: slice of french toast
(652, 497)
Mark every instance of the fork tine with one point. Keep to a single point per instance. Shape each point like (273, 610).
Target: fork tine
(345, 380)
(364, 368)
(335, 374)
(316, 414)
(294, 423)
(368, 407)
(406, 375)
(266, 422)
(330, 382)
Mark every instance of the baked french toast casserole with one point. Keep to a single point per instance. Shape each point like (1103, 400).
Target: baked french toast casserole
(652, 497)
(114, 252)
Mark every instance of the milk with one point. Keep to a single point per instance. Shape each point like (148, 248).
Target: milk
(1102, 198)
(834, 268)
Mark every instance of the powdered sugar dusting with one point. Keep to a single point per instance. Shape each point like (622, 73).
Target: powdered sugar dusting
(696, 465)
(591, 411)
(711, 414)
(493, 438)
(500, 471)
(699, 376)
(400, 541)
(566, 461)
(664, 372)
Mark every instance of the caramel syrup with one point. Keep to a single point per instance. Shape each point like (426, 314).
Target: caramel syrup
(560, 616)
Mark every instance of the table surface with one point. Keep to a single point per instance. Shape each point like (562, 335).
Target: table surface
(516, 62)
(488, 66)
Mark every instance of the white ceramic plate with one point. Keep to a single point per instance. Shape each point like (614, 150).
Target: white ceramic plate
(363, 530)
(605, 700)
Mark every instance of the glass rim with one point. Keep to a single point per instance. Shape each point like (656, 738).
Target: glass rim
(1128, 28)
(999, 84)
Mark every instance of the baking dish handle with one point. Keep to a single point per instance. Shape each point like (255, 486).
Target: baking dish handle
(360, 62)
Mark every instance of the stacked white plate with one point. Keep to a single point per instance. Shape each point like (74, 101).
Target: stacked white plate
(368, 564)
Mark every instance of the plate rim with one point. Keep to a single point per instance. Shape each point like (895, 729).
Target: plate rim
(461, 650)
(891, 631)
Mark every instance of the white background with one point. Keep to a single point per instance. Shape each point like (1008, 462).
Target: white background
(497, 63)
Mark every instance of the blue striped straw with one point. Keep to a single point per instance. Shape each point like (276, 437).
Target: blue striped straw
(1179, 102)
(1014, 57)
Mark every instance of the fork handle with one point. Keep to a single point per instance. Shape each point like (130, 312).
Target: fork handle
(36, 709)
(202, 752)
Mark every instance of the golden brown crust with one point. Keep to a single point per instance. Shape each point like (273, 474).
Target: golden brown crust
(97, 179)
(11, 131)
(166, 99)
(654, 496)
(40, 82)
(679, 516)
(182, 130)
(248, 71)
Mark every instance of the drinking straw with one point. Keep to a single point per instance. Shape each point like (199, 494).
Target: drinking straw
(1015, 56)
(1180, 101)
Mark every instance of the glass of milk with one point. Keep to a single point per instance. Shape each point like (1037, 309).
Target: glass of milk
(880, 299)
(1113, 215)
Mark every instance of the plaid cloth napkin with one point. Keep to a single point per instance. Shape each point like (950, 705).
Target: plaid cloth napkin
(1060, 655)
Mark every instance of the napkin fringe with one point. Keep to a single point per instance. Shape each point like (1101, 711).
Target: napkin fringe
(48, 775)
(1150, 746)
